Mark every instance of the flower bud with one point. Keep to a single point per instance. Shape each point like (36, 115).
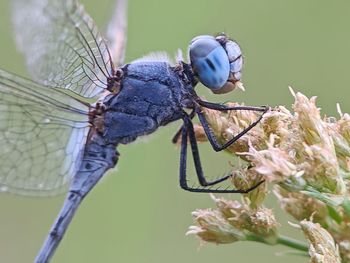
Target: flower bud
(301, 206)
(212, 227)
(245, 178)
(260, 222)
(322, 246)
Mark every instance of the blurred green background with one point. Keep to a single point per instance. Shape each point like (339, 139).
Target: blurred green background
(138, 213)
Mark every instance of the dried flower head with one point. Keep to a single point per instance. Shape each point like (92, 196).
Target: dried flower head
(307, 157)
(344, 250)
(260, 221)
(212, 227)
(344, 124)
(301, 206)
(298, 149)
(322, 246)
(245, 178)
(273, 163)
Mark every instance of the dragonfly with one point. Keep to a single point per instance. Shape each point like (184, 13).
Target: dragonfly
(60, 130)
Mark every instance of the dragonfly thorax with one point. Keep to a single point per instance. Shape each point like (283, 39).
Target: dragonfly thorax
(152, 94)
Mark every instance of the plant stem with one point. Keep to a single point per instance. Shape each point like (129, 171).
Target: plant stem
(293, 243)
(282, 240)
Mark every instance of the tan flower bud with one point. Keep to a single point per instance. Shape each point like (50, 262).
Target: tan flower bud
(245, 178)
(260, 221)
(273, 163)
(321, 169)
(322, 246)
(310, 123)
(342, 151)
(301, 206)
(340, 132)
(344, 125)
(318, 156)
(212, 227)
(344, 250)
(277, 123)
(264, 224)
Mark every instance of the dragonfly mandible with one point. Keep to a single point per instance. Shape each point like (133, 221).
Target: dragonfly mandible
(60, 131)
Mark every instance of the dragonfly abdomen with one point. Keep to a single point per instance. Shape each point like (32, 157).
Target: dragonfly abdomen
(99, 156)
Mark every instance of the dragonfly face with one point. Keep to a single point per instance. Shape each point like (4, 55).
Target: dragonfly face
(63, 128)
(217, 62)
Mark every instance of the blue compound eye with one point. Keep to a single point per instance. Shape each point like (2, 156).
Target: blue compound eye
(210, 62)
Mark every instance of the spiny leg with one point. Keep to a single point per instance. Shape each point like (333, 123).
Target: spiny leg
(222, 107)
(183, 164)
(197, 161)
(178, 133)
(219, 107)
(209, 132)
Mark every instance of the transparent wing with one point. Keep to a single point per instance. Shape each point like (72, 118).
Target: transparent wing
(116, 32)
(62, 45)
(43, 132)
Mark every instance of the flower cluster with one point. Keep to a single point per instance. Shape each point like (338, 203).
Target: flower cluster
(305, 158)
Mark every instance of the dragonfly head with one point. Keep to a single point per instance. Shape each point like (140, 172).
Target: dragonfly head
(216, 61)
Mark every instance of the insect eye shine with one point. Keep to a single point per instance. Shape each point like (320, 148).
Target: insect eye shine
(217, 62)
(209, 61)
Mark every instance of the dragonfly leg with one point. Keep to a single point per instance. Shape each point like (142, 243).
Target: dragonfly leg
(222, 107)
(209, 132)
(178, 133)
(187, 132)
(197, 161)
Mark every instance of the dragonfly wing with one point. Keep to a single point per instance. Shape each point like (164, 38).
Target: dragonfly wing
(116, 32)
(43, 132)
(62, 45)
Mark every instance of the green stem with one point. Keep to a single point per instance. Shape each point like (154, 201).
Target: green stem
(282, 240)
(293, 243)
